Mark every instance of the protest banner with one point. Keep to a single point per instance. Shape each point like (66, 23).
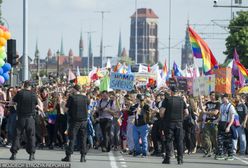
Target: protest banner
(120, 81)
(180, 82)
(202, 86)
(83, 80)
(223, 81)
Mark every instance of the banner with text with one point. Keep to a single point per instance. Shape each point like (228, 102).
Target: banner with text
(120, 81)
(223, 80)
(202, 86)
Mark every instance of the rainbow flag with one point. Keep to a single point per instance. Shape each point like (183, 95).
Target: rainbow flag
(201, 50)
(242, 69)
(164, 70)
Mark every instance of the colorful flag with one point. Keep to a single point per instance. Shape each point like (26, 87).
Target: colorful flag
(201, 50)
(242, 69)
(117, 67)
(176, 70)
(236, 70)
(71, 75)
(164, 70)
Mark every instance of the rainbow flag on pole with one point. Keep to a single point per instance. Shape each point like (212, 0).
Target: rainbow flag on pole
(242, 69)
(201, 50)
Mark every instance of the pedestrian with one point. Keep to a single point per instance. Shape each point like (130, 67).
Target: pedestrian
(26, 104)
(77, 105)
(106, 111)
(172, 113)
(210, 117)
(225, 130)
(243, 117)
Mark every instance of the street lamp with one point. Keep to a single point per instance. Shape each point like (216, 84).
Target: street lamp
(57, 53)
(136, 32)
(169, 56)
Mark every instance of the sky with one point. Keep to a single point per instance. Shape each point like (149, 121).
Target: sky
(50, 20)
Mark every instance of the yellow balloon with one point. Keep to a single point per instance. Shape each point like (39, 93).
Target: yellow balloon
(1, 32)
(2, 41)
(2, 49)
(7, 35)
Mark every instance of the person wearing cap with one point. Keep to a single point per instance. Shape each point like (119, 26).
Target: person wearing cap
(172, 113)
(140, 129)
(77, 105)
(26, 102)
(225, 130)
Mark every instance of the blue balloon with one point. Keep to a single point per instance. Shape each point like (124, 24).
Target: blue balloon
(6, 76)
(6, 67)
(1, 71)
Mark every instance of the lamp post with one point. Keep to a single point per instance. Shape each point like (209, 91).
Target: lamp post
(25, 39)
(136, 32)
(169, 49)
(57, 54)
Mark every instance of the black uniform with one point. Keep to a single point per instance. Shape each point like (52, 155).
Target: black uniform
(173, 127)
(77, 115)
(26, 104)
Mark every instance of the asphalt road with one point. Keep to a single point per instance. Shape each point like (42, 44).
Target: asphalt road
(97, 159)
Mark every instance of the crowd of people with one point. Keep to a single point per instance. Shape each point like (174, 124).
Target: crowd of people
(142, 122)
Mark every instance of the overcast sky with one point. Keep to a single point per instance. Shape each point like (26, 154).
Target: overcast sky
(49, 20)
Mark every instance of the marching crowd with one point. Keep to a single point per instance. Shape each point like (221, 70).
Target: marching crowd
(142, 122)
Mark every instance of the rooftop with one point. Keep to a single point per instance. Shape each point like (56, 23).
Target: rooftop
(145, 13)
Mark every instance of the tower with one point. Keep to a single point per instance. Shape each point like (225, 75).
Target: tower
(187, 56)
(70, 59)
(119, 45)
(37, 59)
(147, 36)
(62, 47)
(81, 46)
(90, 54)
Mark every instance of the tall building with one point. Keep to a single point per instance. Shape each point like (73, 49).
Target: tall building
(119, 46)
(187, 59)
(147, 36)
(62, 47)
(37, 59)
(81, 46)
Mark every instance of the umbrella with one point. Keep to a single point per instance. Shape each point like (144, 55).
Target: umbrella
(243, 90)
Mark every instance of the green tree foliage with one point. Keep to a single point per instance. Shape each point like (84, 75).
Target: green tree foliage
(238, 38)
(126, 60)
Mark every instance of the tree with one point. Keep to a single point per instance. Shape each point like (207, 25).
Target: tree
(238, 38)
(126, 60)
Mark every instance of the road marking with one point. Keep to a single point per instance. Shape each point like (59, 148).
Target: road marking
(246, 162)
(112, 160)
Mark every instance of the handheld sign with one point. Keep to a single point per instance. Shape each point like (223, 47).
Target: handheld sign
(120, 81)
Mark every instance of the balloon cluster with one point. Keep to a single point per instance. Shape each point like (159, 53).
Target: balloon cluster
(4, 66)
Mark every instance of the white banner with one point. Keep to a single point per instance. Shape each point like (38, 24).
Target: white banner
(202, 86)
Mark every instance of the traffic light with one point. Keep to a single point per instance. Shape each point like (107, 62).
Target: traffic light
(12, 57)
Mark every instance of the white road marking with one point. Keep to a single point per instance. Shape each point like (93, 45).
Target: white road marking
(112, 160)
(246, 162)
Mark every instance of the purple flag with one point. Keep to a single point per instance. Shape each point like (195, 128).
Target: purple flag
(235, 70)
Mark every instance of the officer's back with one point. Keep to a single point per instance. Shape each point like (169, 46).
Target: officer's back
(77, 105)
(26, 103)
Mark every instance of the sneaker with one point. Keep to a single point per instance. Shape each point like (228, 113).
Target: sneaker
(230, 158)
(8, 145)
(219, 158)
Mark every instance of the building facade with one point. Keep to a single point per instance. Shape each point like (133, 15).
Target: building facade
(147, 36)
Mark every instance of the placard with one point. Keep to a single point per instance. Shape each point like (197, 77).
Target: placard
(120, 81)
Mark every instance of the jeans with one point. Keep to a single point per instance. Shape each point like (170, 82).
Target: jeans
(130, 134)
(140, 132)
(11, 126)
(106, 125)
(242, 140)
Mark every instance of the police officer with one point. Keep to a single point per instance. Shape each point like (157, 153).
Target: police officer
(26, 103)
(172, 113)
(77, 105)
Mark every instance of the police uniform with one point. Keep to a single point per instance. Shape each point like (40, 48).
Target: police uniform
(77, 115)
(173, 127)
(26, 104)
